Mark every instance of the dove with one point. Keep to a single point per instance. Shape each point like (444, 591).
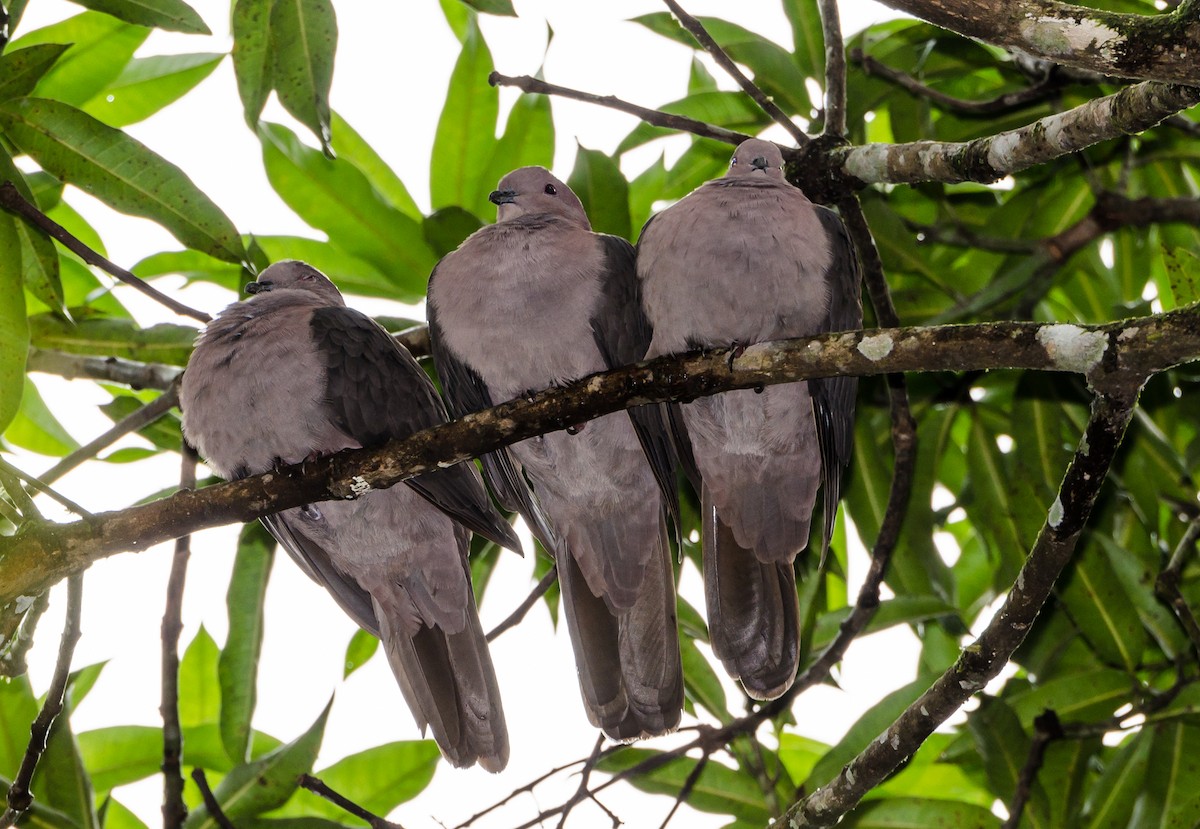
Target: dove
(743, 259)
(292, 374)
(539, 300)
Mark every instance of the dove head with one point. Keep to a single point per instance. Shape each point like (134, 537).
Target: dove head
(758, 158)
(293, 276)
(535, 190)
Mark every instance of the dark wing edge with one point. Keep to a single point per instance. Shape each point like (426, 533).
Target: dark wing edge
(377, 392)
(833, 397)
(623, 334)
(466, 392)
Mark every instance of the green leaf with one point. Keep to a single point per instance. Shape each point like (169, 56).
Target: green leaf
(335, 197)
(36, 253)
(1065, 768)
(199, 685)
(902, 610)
(252, 57)
(528, 141)
(379, 779)
(724, 109)
(350, 273)
(171, 15)
(994, 507)
(147, 85)
(598, 182)
(700, 681)
(466, 131)
(354, 149)
(107, 337)
(1170, 797)
(799, 755)
(202, 746)
(192, 265)
(501, 7)
(303, 41)
(14, 330)
(1098, 603)
(100, 45)
(119, 171)
(121, 754)
(41, 816)
(1004, 747)
(18, 709)
(446, 229)
(237, 668)
(81, 682)
(256, 787)
(118, 816)
(908, 812)
(1111, 798)
(62, 777)
(808, 50)
(35, 428)
(361, 648)
(1080, 696)
(21, 69)
(719, 789)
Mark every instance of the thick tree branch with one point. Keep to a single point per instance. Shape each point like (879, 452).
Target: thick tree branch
(1131, 110)
(982, 660)
(654, 117)
(1161, 47)
(12, 201)
(696, 29)
(42, 554)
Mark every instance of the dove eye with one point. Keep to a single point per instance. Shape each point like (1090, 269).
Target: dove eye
(550, 191)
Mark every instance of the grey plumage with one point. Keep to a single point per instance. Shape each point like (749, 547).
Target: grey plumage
(292, 373)
(535, 300)
(743, 259)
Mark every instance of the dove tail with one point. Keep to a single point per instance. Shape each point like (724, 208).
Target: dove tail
(450, 685)
(630, 674)
(753, 610)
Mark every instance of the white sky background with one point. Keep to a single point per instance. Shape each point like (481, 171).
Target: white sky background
(394, 62)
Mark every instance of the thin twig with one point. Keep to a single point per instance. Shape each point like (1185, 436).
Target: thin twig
(133, 421)
(174, 810)
(10, 479)
(210, 800)
(112, 369)
(12, 200)
(581, 792)
(12, 657)
(697, 30)
(525, 789)
(686, 790)
(44, 488)
(1168, 581)
(517, 615)
(1007, 102)
(318, 787)
(525, 83)
(1046, 728)
(835, 69)
(19, 796)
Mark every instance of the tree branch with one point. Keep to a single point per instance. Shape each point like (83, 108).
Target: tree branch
(210, 800)
(654, 117)
(1159, 47)
(1131, 110)
(1046, 728)
(835, 69)
(174, 810)
(41, 554)
(109, 369)
(517, 615)
(319, 788)
(1168, 581)
(19, 796)
(982, 660)
(697, 30)
(12, 201)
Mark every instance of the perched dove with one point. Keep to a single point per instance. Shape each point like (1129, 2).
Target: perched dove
(538, 300)
(742, 259)
(292, 374)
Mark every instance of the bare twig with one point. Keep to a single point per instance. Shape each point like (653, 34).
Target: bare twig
(12, 656)
(517, 615)
(19, 796)
(44, 488)
(416, 340)
(686, 790)
(520, 790)
(835, 69)
(135, 420)
(210, 800)
(1168, 582)
(318, 787)
(112, 369)
(1045, 729)
(650, 116)
(14, 202)
(174, 810)
(1007, 102)
(581, 792)
(697, 30)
